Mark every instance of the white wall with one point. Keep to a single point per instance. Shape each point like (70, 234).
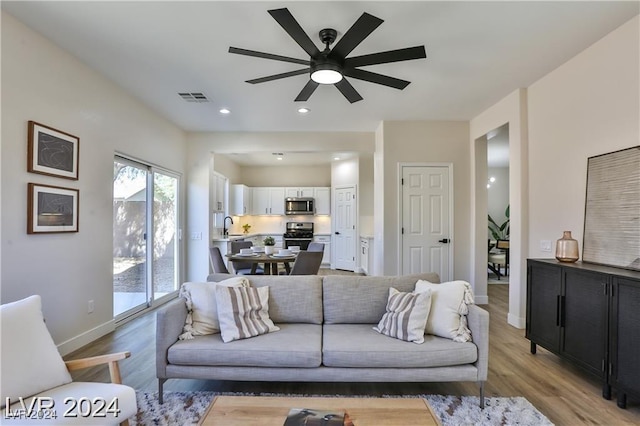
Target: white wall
(433, 142)
(586, 107)
(43, 83)
(289, 176)
(512, 110)
(365, 206)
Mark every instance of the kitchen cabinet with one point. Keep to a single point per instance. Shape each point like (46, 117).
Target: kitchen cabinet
(326, 240)
(240, 200)
(217, 186)
(364, 255)
(322, 196)
(268, 201)
(299, 192)
(588, 315)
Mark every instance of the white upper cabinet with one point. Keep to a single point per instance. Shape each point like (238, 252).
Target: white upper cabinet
(240, 200)
(322, 197)
(301, 192)
(217, 185)
(268, 201)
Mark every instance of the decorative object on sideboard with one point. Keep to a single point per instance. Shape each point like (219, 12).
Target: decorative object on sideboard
(567, 248)
(611, 220)
(52, 152)
(269, 245)
(52, 209)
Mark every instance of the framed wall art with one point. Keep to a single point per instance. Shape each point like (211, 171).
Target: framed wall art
(52, 152)
(52, 209)
(612, 209)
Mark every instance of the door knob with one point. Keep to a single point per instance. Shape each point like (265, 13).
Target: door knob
(444, 240)
(337, 233)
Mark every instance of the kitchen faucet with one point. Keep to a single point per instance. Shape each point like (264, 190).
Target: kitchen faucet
(225, 231)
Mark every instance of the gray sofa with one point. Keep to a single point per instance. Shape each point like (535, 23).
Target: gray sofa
(325, 335)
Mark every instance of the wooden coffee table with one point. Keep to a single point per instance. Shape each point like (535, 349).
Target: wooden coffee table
(272, 411)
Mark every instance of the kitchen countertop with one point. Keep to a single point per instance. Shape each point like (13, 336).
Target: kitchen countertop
(236, 237)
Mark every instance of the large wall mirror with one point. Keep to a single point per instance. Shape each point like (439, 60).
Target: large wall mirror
(612, 210)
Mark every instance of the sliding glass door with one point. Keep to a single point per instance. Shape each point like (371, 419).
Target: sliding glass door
(145, 236)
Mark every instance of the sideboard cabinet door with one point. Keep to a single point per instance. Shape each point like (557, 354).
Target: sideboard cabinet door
(584, 319)
(543, 306)
(625, 338)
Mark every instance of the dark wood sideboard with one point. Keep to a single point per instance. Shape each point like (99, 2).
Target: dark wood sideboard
(588, 315)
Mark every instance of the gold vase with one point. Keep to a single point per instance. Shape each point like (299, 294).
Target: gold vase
(567, 248)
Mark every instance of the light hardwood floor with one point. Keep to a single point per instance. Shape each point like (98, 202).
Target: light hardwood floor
(561, 392)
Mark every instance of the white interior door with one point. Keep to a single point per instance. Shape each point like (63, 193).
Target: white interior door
(344, 236)
(426, 220)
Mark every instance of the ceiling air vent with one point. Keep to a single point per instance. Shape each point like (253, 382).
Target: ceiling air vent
(193, 97)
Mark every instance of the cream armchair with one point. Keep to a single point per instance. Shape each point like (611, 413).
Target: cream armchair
(35, 382)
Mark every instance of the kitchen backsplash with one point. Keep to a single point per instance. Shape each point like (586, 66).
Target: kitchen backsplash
(276, 224)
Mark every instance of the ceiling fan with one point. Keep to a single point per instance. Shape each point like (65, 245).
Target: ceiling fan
(331, 65)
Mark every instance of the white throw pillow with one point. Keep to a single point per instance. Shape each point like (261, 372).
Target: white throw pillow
(31, 362)
(243, 312)
(449, 309)
(406, 315)
(202, 316)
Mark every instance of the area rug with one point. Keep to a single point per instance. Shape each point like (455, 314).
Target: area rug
(186, 408)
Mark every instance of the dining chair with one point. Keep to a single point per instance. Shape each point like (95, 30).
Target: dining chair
(217, 263)
(499, 257)
(307, 263)
(243, 268)
(316, 247)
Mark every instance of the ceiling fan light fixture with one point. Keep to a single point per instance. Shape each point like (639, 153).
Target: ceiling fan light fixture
(326, 73)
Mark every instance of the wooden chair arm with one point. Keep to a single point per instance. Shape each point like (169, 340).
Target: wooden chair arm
(111, 359)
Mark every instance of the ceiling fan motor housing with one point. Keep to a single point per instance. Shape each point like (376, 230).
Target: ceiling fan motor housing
(328, 36)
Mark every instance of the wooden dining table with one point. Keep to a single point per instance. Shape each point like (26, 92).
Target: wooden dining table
(270, 261)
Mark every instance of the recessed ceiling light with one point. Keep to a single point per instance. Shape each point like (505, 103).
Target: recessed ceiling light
(492, 179)
(304, 110)
(488, 185)
(225, 111)
(279, 158)
(336, 158)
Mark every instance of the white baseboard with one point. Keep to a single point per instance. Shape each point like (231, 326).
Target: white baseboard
(517, 322)
(481, 300)
(85, 338)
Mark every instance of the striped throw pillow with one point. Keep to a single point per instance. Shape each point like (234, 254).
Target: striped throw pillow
(243, 312)
(406, 316)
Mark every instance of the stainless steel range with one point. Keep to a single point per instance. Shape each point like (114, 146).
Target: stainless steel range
(298, 234)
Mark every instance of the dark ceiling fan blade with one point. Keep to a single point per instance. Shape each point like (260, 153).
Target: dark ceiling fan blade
(373, 77)
(307, 91)
(247, 52)
(279, 76)
(348, 91)
(353, 37)
(398, 55)
(291, 26)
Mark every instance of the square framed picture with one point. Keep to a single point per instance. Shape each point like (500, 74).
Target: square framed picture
(52, 209)
(52, 152)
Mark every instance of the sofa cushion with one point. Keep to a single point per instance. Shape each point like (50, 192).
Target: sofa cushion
(292, 299)
(243, 312)
(363, 300)
(202, 312)
(449, 309)
(358, 345)
(406, 316)
(31, 362)
(295, 345)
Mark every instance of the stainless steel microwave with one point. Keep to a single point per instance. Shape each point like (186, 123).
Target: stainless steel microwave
(294, 206)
